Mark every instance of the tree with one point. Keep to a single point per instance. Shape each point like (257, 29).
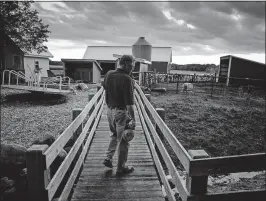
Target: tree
(23, 25)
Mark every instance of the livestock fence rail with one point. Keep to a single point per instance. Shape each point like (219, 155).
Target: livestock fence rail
(197, 163)
(43, 186)
(206, 83)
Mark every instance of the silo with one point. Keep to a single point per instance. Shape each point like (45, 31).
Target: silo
(142, 49)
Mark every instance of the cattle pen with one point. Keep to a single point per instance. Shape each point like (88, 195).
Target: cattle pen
(81, 175)
(208, 84)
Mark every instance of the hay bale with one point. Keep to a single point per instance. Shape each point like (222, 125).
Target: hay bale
(82, 87)
(47, 139)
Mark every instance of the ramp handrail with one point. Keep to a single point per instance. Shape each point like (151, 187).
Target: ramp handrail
(60, 82)
(197, 169)
(40, 157)
(18, 74)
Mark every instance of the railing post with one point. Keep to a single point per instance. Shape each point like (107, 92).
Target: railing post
(148, 96)
(197, 185)
(90, 96)
(75, 113)
(161, 113)
(92, 92)
(37, 175)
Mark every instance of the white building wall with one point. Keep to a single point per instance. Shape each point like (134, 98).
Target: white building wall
(29, 66)
(96, 77)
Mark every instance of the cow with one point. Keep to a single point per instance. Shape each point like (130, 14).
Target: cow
(187, 87)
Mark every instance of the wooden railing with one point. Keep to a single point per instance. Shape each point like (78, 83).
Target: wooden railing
(196, 163)
(40, 158)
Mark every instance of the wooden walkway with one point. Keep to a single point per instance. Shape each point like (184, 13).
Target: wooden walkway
(97, 182)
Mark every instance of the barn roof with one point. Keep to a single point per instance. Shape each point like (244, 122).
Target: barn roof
(106, 53)
(227, 56)
(44, 54)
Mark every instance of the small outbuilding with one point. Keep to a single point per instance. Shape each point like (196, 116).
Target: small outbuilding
(33, 60)
(87, 70)
(239, 71)
(12, 57)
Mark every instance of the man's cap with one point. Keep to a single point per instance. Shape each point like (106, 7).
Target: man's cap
(128, 135)
(126, 59)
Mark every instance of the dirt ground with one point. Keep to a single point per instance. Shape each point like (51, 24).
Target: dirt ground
(221, 125)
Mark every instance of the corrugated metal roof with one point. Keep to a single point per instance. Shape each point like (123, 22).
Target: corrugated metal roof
(34, 53)
(227, 56)
(106, 52)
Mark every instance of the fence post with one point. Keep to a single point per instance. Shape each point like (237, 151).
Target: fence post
(75, 113)
(177, 83)
(212, 85)
(161, 113)
(37, 175)
(197, 185)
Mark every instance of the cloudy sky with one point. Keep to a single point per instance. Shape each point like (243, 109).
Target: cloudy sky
(198, 32)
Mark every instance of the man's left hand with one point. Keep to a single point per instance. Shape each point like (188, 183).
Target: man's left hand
(132, 124)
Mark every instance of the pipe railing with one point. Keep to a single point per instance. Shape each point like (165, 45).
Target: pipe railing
(19, 74)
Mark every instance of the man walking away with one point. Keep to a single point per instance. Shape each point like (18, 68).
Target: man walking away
(119, 88)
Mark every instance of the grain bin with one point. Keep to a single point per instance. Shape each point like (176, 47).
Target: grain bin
(142, 49)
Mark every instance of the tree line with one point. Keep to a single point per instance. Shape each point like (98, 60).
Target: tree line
(210, 68)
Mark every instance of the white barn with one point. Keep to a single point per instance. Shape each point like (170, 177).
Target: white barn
(161, 57)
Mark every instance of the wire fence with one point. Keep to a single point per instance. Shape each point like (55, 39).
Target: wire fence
(209, 84)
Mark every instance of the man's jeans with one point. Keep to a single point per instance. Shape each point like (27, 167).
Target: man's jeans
(117, 121)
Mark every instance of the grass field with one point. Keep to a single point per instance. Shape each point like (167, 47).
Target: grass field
(222, 126)
(225, 125)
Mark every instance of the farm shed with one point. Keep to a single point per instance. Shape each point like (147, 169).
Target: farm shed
(56, 67)
(33, 60)
(87, 70)
(239, 71)
(161, 57)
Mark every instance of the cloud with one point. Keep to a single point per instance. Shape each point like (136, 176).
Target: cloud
(190, 28)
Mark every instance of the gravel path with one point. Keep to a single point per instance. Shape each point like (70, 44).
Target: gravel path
(26, 117)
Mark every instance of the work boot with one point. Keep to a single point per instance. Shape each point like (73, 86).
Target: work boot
(108, 163)
(124, 171)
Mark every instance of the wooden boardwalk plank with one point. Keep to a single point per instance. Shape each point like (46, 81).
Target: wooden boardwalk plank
(97, 182)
